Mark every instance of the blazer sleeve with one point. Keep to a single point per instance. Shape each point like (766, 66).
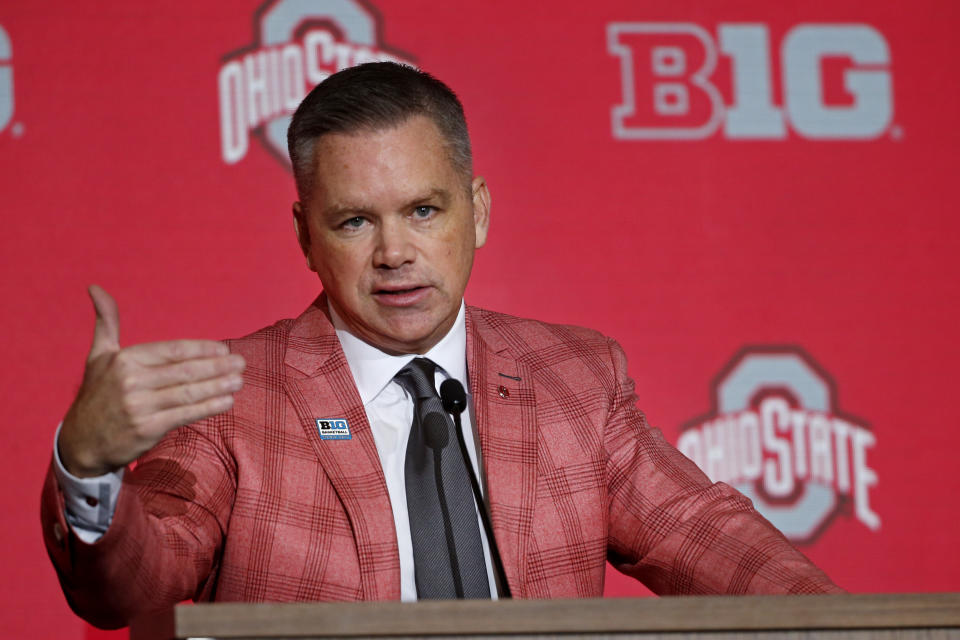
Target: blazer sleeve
(677, 532)
(165, 539)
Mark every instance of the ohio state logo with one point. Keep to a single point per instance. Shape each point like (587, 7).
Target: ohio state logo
(296, 45)
(679, 82)
(776, 433)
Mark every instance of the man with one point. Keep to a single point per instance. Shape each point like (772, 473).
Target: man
(251, 501)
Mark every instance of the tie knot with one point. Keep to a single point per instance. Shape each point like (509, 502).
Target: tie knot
(417, 378)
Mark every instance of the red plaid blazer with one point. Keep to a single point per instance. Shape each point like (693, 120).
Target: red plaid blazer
(252, 505)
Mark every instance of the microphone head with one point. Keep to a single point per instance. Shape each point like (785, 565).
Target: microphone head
(435, 432)
(453, 396)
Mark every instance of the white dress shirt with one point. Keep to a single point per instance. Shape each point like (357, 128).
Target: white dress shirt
(390, 412)
(90, 501)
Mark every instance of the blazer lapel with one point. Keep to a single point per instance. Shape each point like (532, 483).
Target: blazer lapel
(505, 410)
(320, 386)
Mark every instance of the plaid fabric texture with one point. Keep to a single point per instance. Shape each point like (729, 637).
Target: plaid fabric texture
(253, 506)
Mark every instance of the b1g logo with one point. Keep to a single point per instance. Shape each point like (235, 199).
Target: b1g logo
(297, 44)
(337, 429)
(6, 80)
(776, 434)
(834, 82)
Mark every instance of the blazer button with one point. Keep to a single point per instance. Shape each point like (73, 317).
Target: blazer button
(58, 533)
(503, 392)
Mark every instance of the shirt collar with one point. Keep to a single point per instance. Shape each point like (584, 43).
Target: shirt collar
(373, 369)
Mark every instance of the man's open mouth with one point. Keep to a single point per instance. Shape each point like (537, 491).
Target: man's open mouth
(401, 296)
(393, 290)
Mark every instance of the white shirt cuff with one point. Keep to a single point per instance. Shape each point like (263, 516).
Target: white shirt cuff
(90, 502)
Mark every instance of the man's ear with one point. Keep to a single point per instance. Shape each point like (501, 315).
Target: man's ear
(481, 210)
(303, 232)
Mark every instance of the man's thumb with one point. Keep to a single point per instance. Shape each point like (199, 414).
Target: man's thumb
(106, 331)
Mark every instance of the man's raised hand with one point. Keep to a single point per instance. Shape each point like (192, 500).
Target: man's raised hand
(131, 397)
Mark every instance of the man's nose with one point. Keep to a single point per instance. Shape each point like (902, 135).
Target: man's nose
(394, 245)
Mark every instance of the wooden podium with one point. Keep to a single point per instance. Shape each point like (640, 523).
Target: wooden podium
(885, 616)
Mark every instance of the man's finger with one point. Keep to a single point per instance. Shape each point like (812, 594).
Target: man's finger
(177, 373)
(106, 330)
(164, 421)
(157, 353)
(194, 393)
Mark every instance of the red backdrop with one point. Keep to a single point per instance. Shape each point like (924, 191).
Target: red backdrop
(773, 241)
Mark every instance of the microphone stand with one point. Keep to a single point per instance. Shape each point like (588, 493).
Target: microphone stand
(454, 402)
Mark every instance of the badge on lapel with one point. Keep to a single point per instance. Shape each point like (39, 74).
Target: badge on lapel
(333, 429)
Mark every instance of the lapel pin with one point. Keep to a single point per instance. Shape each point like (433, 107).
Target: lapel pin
(503, 392)
(335, 429)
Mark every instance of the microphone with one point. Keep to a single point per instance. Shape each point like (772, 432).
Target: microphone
(453, 396)
(454, 400)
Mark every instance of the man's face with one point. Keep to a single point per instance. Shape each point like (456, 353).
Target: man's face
(391, 228)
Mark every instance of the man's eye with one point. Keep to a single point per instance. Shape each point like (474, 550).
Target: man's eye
(354, 223)
(424, 211)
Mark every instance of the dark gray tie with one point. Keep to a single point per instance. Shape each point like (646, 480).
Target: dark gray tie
(447, 552)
